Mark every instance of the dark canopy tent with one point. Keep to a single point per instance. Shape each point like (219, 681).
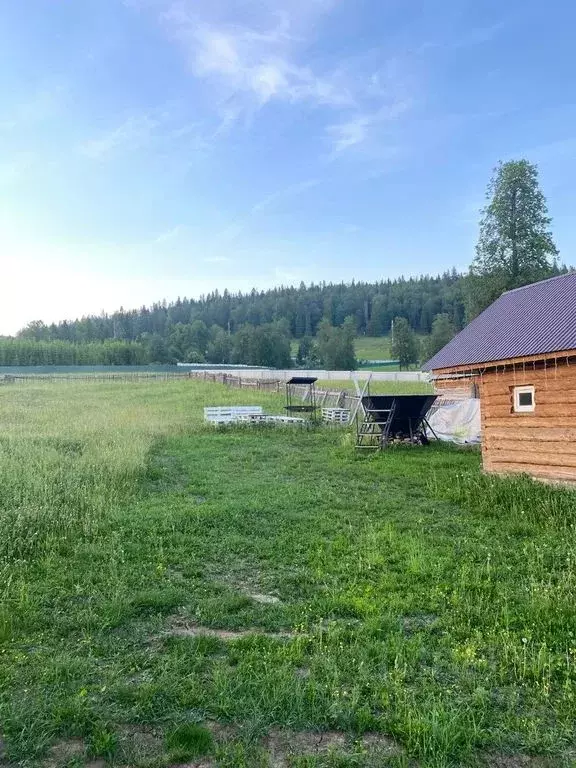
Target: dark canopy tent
(295, 387)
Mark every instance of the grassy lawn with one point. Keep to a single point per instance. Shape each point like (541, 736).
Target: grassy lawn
(176, 595)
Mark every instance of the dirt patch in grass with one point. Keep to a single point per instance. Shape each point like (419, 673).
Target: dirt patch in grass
(380, 744)
(221, 732)
(64, 751)
(184, 629)
(302, 672)
(264, 599)
(281, 745)
(201, 764)
(418, 622)
(70, 750)
(495, 760)
(136, 741)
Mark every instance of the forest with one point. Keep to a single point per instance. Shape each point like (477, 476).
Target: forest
(372, 305)
(253, 328)
(515, 247)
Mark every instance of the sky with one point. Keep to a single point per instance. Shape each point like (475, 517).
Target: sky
(151, 149)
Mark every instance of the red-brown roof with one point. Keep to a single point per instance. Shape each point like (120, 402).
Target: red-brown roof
(533, 320)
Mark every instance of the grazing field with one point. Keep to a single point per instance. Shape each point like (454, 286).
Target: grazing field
(252, 597)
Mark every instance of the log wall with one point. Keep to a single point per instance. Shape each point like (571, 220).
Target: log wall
(541, 443)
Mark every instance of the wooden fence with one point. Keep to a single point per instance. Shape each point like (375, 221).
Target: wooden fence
(324, 398)
(13, 378)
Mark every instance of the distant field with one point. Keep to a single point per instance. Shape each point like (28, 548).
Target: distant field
(378, 387)
(180, 595)
(368, 348)
(373, 348)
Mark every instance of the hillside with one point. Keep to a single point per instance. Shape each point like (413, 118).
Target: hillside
(373, 306)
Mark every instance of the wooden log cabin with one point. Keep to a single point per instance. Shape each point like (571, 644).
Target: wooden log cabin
(521, 352)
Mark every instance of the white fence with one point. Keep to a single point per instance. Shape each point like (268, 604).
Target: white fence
(271, 373)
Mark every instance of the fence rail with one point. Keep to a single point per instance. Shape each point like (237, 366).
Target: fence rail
(324, 398)
(11, 378)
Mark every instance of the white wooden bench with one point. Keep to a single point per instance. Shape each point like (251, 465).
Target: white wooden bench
(336, 415)
(226, 414)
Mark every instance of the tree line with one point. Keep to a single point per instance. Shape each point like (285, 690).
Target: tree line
(515, 247)
(23, 351)
(373, 306)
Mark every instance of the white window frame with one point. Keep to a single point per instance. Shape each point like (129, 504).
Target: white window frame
(522, 391)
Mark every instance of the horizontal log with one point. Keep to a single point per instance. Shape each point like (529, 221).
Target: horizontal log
(534, 447)
(528, 421)
(556, 396)
(533, 458)
(542, 411)
(544, 473)
(550, 375)
(531, 433)
(548, 386)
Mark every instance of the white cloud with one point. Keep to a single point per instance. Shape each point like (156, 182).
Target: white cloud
(237, 227)
(359, 129)
(171, 234)
(258, 52)
(133, 133)
(41, 105)
(167, 130)
(246, 63)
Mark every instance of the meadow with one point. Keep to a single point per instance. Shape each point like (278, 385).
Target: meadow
(174, 594)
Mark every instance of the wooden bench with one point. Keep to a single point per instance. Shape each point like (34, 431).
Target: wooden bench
(336, 415)
(226, 414)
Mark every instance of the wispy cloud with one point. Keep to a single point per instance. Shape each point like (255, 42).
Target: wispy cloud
(169, 235)
(165, 127)
(252, 65)
(478, 35)
(134, 132)
(257, 53)
(237, 227)
(363, 127)
(41, 105)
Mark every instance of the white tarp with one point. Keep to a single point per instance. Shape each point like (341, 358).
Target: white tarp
(458, 422)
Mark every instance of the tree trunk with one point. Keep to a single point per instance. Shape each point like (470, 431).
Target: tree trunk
(514, 266)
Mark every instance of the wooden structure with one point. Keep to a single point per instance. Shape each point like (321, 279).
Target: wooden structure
(226, 414)
(336, 415)
(521, 352)
(223, 414)
(393, 418)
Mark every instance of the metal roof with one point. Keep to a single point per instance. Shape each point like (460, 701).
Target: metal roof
(532, 320)
(302, 380)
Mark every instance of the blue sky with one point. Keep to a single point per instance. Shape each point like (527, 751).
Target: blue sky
(156, 148)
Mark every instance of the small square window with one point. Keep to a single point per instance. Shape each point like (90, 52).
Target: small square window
(524, 400)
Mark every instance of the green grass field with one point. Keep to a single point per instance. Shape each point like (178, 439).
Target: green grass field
(377, 387)
(373, 348)
(368, 348)
(178, 595)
